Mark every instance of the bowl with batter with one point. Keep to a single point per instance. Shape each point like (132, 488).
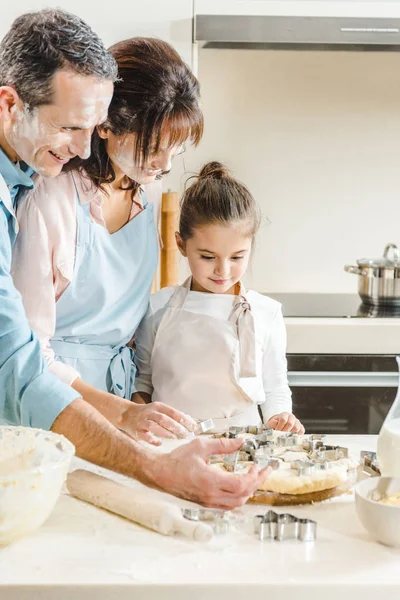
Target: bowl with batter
(380, 515)
(33, 467)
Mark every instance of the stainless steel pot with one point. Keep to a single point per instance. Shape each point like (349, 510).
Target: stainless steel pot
(379, 278)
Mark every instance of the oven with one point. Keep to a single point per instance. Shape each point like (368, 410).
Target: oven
(341, 393)
(341, 382)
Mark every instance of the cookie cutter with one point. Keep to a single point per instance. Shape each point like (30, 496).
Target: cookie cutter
(204, 426)
(324, 453)
(264, 451)
(231, 461)
(236, 430)
(213, 516)
(289, 440)
(369, 463)
(265, 461)
(284, 526)
(250, 447)
(265, 438)
(323, 465)
(313, 442)
(303, 467)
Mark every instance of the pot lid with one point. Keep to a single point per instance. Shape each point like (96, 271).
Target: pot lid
(390, 258)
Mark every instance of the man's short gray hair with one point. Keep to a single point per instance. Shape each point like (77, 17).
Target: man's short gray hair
(40, 43)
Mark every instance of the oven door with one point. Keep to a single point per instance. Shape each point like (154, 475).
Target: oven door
(341, 393)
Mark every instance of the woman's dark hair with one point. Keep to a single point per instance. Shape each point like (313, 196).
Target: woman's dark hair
(156, 97)
(217, 197)
(40, 43)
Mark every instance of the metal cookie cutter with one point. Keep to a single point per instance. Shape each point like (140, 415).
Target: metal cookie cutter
(250, 446)
(204, 426)
(330, 453)
(215, 517)
(369, 463)
(303, 467)
(289, 440)
(264, 460)
(265, 438)
(236, 430)
(231, 461)
(275, 526)
(323, 465)
(313, 442)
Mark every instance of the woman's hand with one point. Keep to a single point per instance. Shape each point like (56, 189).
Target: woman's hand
(149, 422)
(285, 421)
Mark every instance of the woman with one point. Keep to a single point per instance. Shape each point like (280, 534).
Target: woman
(86, 279)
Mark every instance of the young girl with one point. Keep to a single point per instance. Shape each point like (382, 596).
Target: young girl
(209, 347)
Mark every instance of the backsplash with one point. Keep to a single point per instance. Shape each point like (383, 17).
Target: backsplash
(316, 138)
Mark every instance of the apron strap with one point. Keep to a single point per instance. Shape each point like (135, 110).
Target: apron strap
(242, 316)
(122, 369)
(83, 219)
(178, 298)
(143, 197)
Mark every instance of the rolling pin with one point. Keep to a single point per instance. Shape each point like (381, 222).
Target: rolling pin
(169, 262)
(134, 505)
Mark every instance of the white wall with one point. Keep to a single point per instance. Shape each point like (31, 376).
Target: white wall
(316, 137)
(116, 20)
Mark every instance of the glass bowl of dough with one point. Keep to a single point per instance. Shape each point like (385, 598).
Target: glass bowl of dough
(378, 508)
(33, 467)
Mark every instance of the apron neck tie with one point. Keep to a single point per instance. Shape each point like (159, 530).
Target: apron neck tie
(243, 317)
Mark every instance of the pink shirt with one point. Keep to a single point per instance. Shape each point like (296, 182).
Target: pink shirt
(44, 253)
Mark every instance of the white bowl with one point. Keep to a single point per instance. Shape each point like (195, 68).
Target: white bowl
(382, 521)
(33, 468)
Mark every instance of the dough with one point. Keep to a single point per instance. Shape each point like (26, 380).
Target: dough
(393, 500)
(286, 480)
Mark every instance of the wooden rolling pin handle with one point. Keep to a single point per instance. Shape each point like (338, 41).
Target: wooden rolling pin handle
(169, 263)
(158, 515)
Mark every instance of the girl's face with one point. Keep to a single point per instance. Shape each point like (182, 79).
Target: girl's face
(218, 256)
(121, 150)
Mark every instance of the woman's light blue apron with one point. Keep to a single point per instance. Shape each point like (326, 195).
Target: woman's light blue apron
(101, 308)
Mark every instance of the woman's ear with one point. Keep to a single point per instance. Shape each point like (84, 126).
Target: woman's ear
(103, 132)
(180, 243)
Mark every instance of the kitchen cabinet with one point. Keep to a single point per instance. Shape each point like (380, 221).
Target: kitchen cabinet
(82, 552)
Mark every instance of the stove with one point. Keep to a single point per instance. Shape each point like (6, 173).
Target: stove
(344, 306)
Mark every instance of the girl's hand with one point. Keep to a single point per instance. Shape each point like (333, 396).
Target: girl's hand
(285, 421)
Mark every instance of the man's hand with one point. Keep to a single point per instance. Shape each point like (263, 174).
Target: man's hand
(285, 422)
(149, 422)
(185, 472)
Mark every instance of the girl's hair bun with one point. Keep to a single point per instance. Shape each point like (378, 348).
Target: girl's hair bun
(215, 196)
(214, 170)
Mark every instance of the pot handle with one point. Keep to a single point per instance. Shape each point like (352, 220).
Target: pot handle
(395, 253)
(355, 270)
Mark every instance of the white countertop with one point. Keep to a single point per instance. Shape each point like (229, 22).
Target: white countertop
(342, 336)
(82, 552)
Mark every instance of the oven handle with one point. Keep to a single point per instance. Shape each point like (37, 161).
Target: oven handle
(342, 379)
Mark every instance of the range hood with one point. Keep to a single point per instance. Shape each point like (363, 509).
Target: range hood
(298, 24)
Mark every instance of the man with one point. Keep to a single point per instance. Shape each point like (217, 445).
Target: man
(56, 81)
